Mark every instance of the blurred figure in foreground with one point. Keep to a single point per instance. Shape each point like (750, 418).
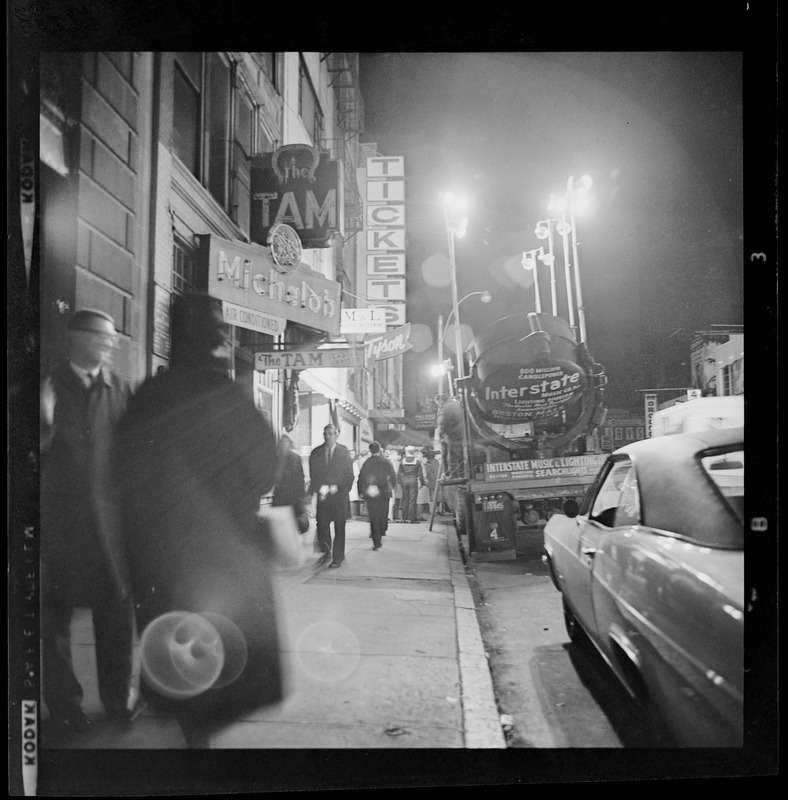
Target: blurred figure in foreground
(194, 457)
(82, 559)
(376, 482)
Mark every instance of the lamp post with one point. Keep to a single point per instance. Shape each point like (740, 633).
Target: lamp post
(440, 369)
(575, 190)
(544, 230)
(583, 185)
(456, 224)
(559, 203)
(529, 262)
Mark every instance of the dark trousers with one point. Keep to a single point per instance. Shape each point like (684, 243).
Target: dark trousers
(410, 490)
(113, 629)
(332, 509)
(378, 508)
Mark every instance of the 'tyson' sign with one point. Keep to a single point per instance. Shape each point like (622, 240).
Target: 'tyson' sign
(297, 185)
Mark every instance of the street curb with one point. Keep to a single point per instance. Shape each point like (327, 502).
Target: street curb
(481, 721)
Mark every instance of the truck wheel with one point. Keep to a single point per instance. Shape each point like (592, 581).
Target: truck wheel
(460, 515)
(577, 635)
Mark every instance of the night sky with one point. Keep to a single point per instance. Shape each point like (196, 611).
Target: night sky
(660, 133)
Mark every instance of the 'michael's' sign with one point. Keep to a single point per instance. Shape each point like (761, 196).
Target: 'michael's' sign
(296, 185)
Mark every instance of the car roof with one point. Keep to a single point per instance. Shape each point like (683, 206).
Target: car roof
(676, 494)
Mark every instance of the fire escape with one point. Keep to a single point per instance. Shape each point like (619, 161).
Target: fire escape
(343, 72)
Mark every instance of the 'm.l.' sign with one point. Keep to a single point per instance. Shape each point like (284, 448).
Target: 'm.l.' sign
(363, 320)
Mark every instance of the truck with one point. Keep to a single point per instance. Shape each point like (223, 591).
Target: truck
(700, 414)
(516, 434)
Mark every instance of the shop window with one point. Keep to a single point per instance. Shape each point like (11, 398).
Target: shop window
(309, 106)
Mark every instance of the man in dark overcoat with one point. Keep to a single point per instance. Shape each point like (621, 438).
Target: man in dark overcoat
(82, 558)
(330, 478)
(376, 482)
(196, 456)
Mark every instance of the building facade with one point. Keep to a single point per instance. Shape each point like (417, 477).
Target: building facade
(166, 173)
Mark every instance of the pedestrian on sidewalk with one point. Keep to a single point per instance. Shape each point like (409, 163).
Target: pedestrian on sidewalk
(330, 478)
(410, 477)
(376, 482)
(82, 558)
(290, 483)
(196, 455)
(431, 468)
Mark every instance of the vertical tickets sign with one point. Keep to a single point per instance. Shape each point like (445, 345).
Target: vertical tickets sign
(650, 401)
(385, 232)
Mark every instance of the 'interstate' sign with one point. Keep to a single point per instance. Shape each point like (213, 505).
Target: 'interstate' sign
(309, 359)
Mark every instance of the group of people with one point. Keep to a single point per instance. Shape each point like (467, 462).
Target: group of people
(150, 505)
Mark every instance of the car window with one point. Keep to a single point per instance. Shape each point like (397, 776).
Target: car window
(628, 511)
(726, 470)
(608, 499)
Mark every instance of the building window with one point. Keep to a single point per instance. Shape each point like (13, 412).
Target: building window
(186, 118)
(309, 106)
(217, 124)
(628, 434)
(640, 432)
(267, 64)
(201, 119)
(243, 147)
(182, 268)
(617, 434)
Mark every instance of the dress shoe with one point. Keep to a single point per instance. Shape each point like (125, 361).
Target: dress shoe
(335, 564)
(70, 722)
(376, 547)
(324, 559)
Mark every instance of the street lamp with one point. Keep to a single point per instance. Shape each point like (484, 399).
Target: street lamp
(529, 262)
(456, 225)
(440, 369)
(576, 190)
(544, 230)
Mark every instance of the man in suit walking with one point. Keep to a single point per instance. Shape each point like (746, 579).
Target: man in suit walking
(330, 478)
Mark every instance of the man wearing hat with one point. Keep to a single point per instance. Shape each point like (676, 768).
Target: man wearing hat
(82, 559)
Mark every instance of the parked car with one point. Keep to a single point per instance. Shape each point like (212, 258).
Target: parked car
(651, 570)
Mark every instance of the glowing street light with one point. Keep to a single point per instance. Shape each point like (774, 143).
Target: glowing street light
(456, 225)
(577, 194)
(441, 368)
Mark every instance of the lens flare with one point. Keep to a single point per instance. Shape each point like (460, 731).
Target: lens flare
(182, 654)
(328, 651)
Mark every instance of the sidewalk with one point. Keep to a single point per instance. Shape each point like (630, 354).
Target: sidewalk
(384, 652)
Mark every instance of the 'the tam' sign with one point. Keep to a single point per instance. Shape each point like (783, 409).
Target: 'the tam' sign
(297, 185)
